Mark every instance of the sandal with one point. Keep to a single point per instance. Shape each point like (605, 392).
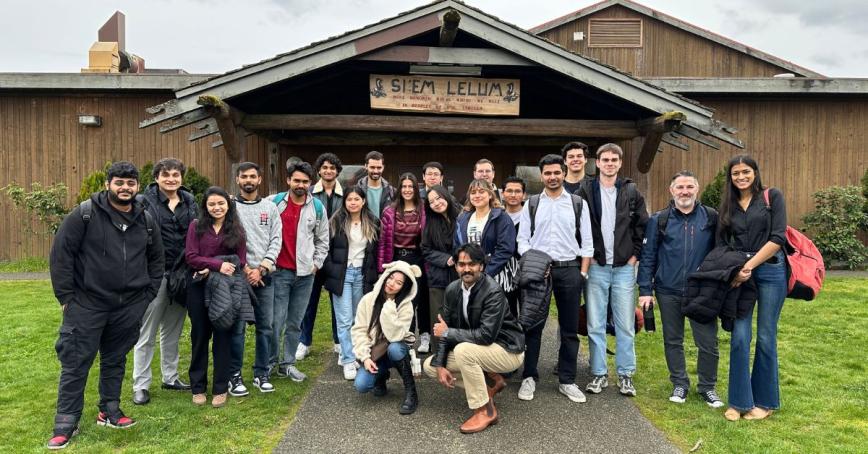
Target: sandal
(758, 413)
(731, 414)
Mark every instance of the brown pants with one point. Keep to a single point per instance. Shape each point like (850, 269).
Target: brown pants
(468, 364)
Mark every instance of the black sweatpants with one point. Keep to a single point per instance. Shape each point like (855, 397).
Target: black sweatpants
(201, 332)
(567, 283)
(83, 333)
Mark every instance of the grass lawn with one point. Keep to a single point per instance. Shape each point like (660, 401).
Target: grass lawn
(28, 265)
(822, 349)
(170, 423)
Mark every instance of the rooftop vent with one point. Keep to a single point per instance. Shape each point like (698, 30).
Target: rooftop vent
(619, 32)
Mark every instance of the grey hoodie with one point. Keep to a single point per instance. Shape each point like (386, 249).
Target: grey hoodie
(263, 229)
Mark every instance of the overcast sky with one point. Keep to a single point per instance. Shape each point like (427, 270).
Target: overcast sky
(214, 36)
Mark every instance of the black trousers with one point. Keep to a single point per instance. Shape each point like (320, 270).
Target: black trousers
(567, 283)
(83, 333)
(421, 302)
(201, 333)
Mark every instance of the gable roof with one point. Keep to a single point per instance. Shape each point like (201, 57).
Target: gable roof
(678, 23)
(423, 19)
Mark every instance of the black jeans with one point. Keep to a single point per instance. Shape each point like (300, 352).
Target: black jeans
(83, 333)
(567, 284)
(201, 332)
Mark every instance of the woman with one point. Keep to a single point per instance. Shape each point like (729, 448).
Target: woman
(401, 225)
(217, 232)
(483, 222)
(382, 336)
(351, 267)
(749, 226)
(441, 212)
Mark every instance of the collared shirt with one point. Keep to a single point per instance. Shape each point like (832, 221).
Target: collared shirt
(465, 293)
(555, 230)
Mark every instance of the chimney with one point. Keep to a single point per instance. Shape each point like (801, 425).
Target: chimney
(108, 54)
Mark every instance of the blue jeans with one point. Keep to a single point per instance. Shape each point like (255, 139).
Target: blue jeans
(621, 280)
(291, 295)
(761, 387)
(365, 380)
(345, 311)
(264, 312)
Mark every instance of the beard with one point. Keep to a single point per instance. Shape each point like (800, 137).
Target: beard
(300, 192)
(249, 188)
(114, 198)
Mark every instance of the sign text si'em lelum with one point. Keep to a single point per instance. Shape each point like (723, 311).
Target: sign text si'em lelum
(460, 95)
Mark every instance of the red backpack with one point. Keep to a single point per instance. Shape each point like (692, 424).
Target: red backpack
(804, 263)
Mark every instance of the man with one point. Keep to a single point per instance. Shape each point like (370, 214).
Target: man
(106, 266)
(484, 170)
(513, 198)
(378, 192)
(552, 229)
(677, 239)
(432, 175)
(618, 219)
(478, 338)
(575, 156)
(305, 243)
(263, 230)
(327, 190)
(173, 207)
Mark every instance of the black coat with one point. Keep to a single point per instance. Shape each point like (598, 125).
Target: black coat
(488, 319)
(229, 298)
(536, 289)
(334, 268)
(710, 293)
(173, 225)
(630, 220)
(439, 274)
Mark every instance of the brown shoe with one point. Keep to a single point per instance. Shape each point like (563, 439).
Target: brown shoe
(218, 400)
(483, 417)
(498, 384)
(199, 399)
(757, 413)
(731, 414)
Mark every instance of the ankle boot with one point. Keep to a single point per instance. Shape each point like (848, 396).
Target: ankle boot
(482, 417)
(411, 399)
(380, 384)
(497, 383)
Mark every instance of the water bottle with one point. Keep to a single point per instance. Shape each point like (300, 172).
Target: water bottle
(415, 364)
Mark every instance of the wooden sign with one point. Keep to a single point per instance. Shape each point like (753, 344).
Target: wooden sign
(460, 95)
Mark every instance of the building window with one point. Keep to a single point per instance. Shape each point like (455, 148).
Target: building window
(615, 33)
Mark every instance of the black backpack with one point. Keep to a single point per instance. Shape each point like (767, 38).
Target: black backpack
(663, 220)
(86, 211)
(533, 204)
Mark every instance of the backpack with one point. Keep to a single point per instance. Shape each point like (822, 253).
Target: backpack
(317, 205)
(86, 211)
(805, 266)
(663, 220)
(533, 204)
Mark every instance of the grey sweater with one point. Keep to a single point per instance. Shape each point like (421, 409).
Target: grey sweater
(261, 222)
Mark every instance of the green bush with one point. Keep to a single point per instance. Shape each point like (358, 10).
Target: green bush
(46, 203)
(95, 182)
(713, 192)
(865, 194)
(834, 223)
(146, 175)
(196, 183)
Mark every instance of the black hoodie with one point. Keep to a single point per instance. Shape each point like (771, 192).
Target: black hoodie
(630, 220)
(107, 262)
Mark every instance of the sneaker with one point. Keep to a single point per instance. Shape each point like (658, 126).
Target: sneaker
(625, 385)
(119, 421)
(199, 399)
(336, 348)
(218, 400)
(597, 384)
(262, 384)
(350, 371)
(711, 398)
(679, 395)
(293, 373)
(301, 351)
(236, 386)
(424, 343)
(572, 392)
(528, 387)
(60, 441)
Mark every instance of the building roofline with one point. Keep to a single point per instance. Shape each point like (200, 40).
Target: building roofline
(683, 25)
(97, 81)
(762, 85)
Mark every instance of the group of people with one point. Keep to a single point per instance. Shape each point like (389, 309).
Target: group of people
(397, 260)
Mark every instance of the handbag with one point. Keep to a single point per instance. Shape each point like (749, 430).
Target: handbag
(379, 349)
(508, 276)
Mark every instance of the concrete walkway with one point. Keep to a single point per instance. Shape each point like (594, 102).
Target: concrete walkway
(336, 419)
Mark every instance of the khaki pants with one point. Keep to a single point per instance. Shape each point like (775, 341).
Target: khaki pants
(468, 364)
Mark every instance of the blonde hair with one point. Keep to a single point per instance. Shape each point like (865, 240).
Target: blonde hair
(493, 201)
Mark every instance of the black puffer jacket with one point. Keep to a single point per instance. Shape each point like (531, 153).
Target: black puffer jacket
(536, 288)
(334, 268)
(488, 319)
(710, 293)
(229, 297)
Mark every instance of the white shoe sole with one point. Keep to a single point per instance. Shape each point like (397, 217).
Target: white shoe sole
(576, 399)
(265, 390)
(525, 397)
(679, 400)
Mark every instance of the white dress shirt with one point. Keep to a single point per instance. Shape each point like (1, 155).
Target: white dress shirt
(555, 229)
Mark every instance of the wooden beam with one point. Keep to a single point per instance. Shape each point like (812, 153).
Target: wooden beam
(184, 120)
(450, 56)
(697, 136)
(654, 129)
(614, 129)
(382, 139)
(203, 129)
(449, 28)
(228, 121)
(672, 139)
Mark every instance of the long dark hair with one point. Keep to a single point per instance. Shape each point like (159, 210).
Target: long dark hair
(381, 299)
(340, 221)
(731, 194)
(439, 227)
(398, 203)
(233, 231)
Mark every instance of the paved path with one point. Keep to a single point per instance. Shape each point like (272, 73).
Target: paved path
(336, 419)
(24, 276)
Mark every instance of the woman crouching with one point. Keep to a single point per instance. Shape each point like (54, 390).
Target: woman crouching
(382, 336)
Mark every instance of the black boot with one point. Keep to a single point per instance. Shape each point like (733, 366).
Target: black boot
(380, 384)
(411, 399)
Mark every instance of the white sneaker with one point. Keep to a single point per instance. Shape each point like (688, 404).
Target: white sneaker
(336, 348)
(424, 343)
(572, 392)
(301, 351)
(350, 371)
(528, 387)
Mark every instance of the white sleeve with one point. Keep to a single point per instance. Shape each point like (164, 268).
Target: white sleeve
(587, 247)
(523, 238)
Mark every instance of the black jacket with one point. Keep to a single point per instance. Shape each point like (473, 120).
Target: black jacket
(229, 298)
(173, 225)
(536, 288)
(107, 262)
(439, 274)
(488, 319)
(497, 239)
(630, 220)
(710, 293)
(334, 268)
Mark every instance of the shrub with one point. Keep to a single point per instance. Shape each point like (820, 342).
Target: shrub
(713, 192)
(196, 183)
(45, 203)
(834, 223)
(95, 182)
(865, 194)
(146, 175)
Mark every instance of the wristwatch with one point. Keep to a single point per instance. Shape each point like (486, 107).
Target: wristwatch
(584, 275)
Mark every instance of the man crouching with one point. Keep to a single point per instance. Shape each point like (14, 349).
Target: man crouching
(479, 338)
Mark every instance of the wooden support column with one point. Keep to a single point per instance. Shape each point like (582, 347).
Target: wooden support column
(232, 134)
(273, 167)
(449, 28)
(653, 130)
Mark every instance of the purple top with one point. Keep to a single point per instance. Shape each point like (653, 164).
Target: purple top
(200, 251)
